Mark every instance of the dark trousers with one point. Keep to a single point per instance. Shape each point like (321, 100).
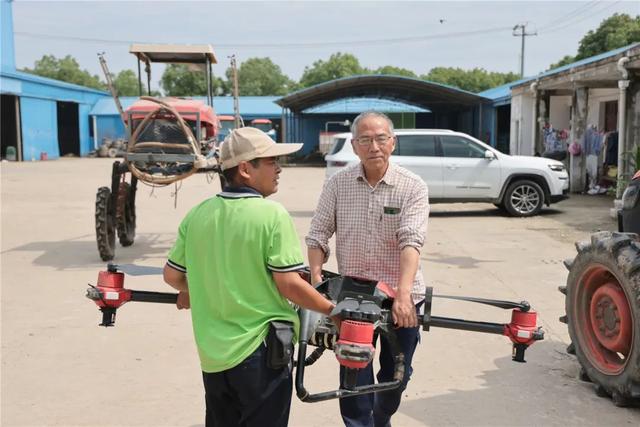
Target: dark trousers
(249, 394)
(376, 409)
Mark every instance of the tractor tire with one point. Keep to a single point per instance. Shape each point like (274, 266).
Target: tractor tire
(126, 214)
(105, 225)
(523, 198)
(603, 314)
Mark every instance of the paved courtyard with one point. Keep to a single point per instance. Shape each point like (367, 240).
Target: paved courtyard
(60, 369)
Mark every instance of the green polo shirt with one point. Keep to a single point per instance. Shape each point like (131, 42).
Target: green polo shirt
(228, 246)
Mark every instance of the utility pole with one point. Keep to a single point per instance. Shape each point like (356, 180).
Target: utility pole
(236, 106)
(522, 33)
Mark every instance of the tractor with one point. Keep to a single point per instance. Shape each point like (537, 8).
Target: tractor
(169, 139)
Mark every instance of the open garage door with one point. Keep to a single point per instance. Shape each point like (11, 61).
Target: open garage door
(11, 145)
(68, 128)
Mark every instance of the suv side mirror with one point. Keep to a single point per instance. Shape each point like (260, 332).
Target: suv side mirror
(489, 155)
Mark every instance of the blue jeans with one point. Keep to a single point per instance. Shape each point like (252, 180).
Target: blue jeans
(248, 394)
(376, 409)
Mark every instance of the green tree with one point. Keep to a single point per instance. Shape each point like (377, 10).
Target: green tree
(261, 77)
(475, 80)
(180, 80)
(616, 31)
(567, 59)
(126, 83)
(395, 71)
(338, 65)
(65, 69)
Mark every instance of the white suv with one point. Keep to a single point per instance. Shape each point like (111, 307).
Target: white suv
(459, 168)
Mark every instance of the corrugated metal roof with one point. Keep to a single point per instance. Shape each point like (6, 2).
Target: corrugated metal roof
(498, 93)
(249, 105)
(421, 93)
(21, 75)
(357, 105)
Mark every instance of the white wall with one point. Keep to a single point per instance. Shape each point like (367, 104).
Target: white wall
(521, 123)
(597, 98)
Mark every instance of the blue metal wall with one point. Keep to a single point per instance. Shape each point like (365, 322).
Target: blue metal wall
(38, 111)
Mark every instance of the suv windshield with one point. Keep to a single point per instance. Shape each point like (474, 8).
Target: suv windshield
(337, 145)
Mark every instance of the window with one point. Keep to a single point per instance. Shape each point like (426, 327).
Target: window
(337, 145)
(416, 145)
(456, 146)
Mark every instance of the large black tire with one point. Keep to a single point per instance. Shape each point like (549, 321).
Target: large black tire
(105, 224)
(603, 313)
(126, 214)
(523, 198)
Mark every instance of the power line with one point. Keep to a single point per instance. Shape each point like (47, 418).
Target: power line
(597, 12)
(573, 14)
(341, 43)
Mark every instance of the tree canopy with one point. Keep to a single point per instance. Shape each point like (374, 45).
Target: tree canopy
(616, 31)
(395, 71)
(126, 83)
(65, 69)
(180, 80)
(261, 77)
(475, 80)
(337, 66)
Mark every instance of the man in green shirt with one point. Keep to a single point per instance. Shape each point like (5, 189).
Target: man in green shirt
(234, 262)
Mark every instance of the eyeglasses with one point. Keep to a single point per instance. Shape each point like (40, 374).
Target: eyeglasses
(368, 140)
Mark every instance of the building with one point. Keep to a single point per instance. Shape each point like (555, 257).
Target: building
(41, 118)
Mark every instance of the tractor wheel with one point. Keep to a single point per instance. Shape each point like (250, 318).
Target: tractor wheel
(126, 214)
(603, 313)
(105, 224)
(523, 198)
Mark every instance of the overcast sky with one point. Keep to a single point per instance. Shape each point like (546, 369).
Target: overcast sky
(414, 35)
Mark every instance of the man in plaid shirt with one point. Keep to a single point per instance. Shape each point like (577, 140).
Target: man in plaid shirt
(378, 212)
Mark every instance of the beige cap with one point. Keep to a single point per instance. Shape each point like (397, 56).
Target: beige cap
(250, 143)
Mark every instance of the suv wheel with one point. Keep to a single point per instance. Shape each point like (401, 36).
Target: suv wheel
(523, 198)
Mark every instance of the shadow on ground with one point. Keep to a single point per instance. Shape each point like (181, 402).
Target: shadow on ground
(552, 388)
(81, 252)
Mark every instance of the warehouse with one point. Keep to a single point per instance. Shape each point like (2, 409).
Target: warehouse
(41, 118)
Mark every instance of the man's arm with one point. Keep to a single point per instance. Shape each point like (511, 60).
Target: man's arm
(297, 290)
(177, 280)
(403, 310)
(323, 225)
(316, 258)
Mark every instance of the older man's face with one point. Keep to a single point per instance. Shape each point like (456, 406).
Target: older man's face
(373, 143)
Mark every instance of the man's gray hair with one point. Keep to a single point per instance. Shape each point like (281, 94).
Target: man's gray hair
(371, 113)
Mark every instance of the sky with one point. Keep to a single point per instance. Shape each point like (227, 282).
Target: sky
(415, 35)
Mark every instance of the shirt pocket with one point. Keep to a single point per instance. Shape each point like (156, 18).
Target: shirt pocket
(389, 225)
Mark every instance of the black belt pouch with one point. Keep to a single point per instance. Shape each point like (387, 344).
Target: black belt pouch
(279, 344)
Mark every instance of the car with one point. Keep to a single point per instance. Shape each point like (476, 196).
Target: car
(629, 214)
(459, 168)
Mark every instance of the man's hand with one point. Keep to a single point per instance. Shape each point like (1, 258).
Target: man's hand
(183, 301)
(403, 311)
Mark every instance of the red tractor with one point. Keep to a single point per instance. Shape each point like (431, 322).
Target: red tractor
(169, 140)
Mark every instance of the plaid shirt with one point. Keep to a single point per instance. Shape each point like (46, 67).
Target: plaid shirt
(372, 224)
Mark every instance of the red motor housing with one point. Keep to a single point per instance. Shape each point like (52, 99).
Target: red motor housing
(522, 328)
(354, 348)
(111, 287)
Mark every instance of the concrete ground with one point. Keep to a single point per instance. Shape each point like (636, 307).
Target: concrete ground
(60, 369)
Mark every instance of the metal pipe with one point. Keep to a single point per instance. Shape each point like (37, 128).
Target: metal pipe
(95, 132)
(534, 123)
(623, 84)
